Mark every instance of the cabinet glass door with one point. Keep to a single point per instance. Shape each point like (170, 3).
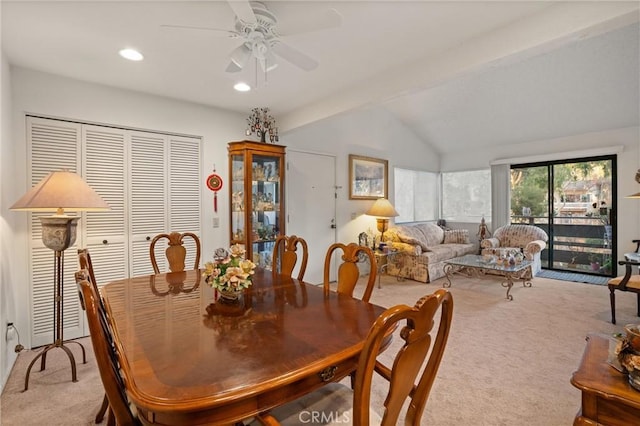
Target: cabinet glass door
(265, 208)
(237, 200)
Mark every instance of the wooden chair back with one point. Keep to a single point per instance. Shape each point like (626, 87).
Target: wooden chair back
(84, 258)
(176, 252)
(410, 378)
(348, 272)
(407, 377)
(285, 255)
(630, 281)
(105, 351)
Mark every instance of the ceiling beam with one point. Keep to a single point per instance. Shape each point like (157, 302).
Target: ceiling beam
(556, 26)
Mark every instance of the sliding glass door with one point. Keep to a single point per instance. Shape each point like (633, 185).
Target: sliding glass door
(574, 202)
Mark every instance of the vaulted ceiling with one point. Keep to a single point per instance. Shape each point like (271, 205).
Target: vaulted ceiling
(455, 72)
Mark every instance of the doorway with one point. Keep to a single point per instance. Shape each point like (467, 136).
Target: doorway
(311, 206)
(574, 201)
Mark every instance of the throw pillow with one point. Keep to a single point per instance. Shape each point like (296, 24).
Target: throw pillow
(411, 235)
(456, 236)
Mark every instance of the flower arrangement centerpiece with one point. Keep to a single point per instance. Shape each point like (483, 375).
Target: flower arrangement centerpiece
(230, 273)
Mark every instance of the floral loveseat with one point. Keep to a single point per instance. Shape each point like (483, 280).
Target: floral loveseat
(423, 248)
(528, 239)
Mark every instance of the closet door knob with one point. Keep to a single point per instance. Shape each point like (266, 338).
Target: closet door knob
(148, 238)
(105, 242)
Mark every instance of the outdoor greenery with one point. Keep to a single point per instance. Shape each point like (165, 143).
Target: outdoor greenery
(529, 185)
(578, 190)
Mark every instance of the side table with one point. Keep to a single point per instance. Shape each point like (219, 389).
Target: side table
(607, 397)
(382, 261)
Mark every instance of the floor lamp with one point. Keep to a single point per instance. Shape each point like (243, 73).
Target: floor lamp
(382, 209)
(58, 191)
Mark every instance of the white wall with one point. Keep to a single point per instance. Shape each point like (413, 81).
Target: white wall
(628, 164)
(370, 132)
(8, 278)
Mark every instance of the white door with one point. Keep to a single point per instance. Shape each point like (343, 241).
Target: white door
(103, 167)
(311, 206)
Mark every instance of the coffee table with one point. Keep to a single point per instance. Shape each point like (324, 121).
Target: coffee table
(474, 265)
(607, 396)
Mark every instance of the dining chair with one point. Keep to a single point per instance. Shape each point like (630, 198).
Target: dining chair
(105, 352)
(411, 376)
(176, 252)
(627, 282)
(84, 258)
(348, 272)
(285, 255)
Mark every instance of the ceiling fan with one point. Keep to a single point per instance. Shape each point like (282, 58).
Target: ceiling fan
(255, 26)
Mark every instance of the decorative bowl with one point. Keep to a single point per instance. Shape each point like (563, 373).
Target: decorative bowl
(633, 336)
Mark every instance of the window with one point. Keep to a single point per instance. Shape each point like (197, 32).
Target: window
(572, 200)
(466, 196)
(416, 195)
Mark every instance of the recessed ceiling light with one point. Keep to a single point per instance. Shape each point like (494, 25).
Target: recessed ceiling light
(131, 54)
(242, 87)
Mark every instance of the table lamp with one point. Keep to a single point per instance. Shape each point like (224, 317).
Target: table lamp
(382, 209)
(58, 191)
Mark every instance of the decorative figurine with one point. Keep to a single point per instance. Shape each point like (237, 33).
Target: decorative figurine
(483, 230)
(262, 124)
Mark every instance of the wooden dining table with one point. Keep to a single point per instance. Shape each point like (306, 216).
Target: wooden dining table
(188, 358)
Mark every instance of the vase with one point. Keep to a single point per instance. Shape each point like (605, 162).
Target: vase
(230, 296)
(633, 336)
(634, 379)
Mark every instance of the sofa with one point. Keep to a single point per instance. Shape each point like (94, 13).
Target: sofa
(422, 248)
(527, 239)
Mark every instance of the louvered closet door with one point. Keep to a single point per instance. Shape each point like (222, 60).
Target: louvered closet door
(104, 169)
(148, 201)
(185, 190)
(53, 145)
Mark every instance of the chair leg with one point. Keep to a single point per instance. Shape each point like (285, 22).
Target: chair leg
(612, 296)
(638, 303)
(102, 410)
(111, 418)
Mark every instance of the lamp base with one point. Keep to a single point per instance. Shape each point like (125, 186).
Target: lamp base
(43, 359)
(58, 318)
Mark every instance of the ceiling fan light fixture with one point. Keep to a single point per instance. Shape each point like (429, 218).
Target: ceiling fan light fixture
(241, 86)
(131, 54)
(270, 61)
(240, 56)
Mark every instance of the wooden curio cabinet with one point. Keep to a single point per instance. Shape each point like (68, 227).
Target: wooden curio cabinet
(257, 197)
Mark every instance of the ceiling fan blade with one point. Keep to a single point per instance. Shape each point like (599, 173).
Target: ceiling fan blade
(217, 31)
(331, 18)
(243, 10)
(294, 56)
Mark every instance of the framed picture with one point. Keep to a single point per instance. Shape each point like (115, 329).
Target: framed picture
(367, 178)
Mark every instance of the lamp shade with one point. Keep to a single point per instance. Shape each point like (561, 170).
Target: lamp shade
(382, 208)
(58, 191)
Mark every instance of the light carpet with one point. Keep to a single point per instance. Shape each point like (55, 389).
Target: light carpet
(506, 362)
